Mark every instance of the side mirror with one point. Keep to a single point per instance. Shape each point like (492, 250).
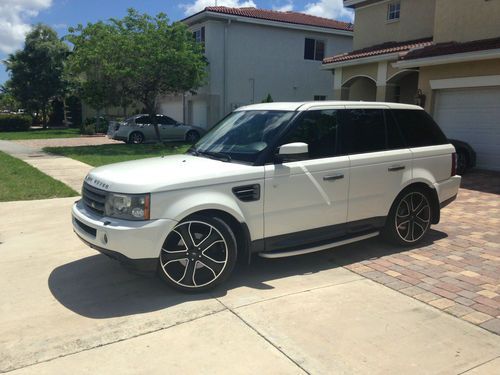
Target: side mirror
(293, 151)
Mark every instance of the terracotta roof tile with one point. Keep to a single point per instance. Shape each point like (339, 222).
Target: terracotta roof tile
(286, 17)
(379, 49)
(451, 48)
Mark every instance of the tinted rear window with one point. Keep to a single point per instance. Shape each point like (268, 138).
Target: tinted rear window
(418, 128)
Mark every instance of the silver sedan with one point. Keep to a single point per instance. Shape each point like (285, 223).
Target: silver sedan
(139, 129)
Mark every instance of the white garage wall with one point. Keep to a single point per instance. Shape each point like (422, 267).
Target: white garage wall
(472, 115)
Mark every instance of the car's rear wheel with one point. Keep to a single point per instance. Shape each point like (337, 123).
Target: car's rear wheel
(199, 254)
(136, 138)
(192, 136)
(409, 218)
(462, 162)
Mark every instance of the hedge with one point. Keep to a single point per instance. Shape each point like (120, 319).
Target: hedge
(11, 122)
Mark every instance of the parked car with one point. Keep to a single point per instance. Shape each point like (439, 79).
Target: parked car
(466, 156)
(277, 179)
(138, 129)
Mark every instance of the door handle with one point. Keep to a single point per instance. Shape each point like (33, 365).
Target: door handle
(333, 177)
(395, 168)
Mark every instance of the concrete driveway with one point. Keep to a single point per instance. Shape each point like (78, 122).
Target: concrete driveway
(65, 308)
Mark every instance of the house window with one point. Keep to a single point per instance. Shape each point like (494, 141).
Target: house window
(314, 49)
(393, 10)
(319, 98)
(199, 36)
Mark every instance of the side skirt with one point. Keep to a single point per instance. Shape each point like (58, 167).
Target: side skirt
(282, 254)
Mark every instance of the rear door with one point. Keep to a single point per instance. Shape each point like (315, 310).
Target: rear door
(380, 164)
(306, 200)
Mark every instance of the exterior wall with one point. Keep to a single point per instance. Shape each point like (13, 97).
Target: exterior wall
(416, 21)
(466, 20)
(265, 60)
(478, 68)
(369, 70)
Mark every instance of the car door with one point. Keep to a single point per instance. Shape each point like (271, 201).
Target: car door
(306, 200)
(169, 128)
(145, 126)
(380, 164)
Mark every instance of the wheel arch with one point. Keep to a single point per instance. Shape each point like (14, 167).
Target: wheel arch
(433, 197)
(214, 204)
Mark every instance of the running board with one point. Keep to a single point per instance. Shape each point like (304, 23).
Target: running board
(292, 253)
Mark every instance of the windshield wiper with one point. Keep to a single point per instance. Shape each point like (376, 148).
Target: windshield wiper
(211, 154)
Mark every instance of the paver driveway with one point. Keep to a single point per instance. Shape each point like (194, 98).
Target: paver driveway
(458, 269)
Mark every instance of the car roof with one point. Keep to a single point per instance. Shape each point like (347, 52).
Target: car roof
(304, 106)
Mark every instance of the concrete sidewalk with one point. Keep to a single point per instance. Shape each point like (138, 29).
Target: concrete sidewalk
(67, 309)
(69, 171)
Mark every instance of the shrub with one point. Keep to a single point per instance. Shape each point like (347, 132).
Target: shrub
(13, 122)
(92, 126)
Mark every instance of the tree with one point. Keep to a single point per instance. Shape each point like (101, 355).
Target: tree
(135, 59)
(36, 71)
(268, 99)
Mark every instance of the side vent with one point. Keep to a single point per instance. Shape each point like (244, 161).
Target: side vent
(247, 193)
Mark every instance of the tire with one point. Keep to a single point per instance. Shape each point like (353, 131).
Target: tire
(136, 138)
(192, 136)
(189, 263)
(410, 217)
(462, 162)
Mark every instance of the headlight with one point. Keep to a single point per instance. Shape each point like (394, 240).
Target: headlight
(127, 206)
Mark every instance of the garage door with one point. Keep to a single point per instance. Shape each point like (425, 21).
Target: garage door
(472, 115)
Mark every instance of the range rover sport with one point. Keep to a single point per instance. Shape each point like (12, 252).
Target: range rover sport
(277, 179)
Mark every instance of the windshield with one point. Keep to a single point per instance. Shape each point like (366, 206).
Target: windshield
(243, 135)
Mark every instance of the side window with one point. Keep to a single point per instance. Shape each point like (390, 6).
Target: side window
(165, 120)
(143, 120)
(395, 139)
(418, 128)
(363, 130)
(319, 130)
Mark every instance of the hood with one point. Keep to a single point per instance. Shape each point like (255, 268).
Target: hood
(169, 173)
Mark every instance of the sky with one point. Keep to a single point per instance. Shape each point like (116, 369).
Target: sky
(17, 16)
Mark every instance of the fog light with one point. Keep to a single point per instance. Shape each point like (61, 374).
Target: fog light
(105, 239)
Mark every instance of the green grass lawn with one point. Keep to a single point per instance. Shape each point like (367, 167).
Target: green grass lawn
(20, 181)
(107, 154)
(40, 134)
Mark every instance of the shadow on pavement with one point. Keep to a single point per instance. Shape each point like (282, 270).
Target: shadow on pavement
(99, 288)
(481, 180)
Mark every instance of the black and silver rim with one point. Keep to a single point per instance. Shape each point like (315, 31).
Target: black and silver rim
(413, 217)
(136, 138)
(194, 254)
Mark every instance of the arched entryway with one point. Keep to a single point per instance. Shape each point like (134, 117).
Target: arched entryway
(402, 87)
(359, 88)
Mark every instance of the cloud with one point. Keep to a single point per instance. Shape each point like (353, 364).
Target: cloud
(287, 7)
(14, 21)
(199, 5)
(329, 9)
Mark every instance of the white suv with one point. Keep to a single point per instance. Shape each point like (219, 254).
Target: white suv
(277, 179)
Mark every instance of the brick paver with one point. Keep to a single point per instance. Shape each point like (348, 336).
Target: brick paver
(457, 268)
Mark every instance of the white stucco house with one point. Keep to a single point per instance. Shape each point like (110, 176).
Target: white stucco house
(252, 53)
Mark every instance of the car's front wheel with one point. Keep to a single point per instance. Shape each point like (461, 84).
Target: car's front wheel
(409, 218)
(199, 254)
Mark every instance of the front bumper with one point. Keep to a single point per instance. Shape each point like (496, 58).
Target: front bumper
(136, 243)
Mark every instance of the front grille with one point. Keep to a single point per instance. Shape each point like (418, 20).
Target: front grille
(93, 198)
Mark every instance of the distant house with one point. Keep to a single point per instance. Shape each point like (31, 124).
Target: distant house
(252, 53)
(441, 54)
